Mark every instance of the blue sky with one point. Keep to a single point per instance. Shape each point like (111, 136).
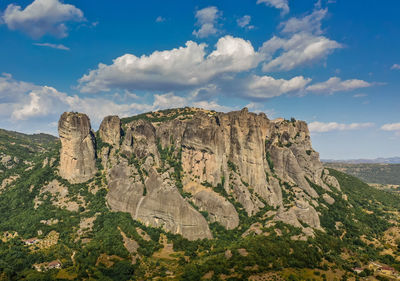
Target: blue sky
(334, 64)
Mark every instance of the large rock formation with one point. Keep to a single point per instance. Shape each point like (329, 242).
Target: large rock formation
(169, 167)
(110, 130)
(78, 154)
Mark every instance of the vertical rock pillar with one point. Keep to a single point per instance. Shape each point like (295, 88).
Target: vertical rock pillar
(78, 154)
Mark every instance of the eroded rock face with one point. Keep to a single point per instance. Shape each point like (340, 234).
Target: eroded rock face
(219, 209)
(246, 154)
(156, 202)
(330, 180)
(165, 207)
(159, 167)
(125, 188)
(306, 213)
(78, 154)
(148, 195)
(301, 212)
(231, 148)
(110, 130)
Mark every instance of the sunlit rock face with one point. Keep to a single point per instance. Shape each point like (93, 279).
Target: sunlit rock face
(170, 171)
(78, 153)
(110, 130)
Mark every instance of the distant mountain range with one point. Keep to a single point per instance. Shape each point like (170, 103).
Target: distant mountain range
(391, 160)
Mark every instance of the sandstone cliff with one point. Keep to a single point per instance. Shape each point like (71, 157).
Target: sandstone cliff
(110, 130)
(78, 154)
(164, 168)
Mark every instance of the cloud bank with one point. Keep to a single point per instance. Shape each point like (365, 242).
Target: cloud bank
(179, 68)
(22, 102)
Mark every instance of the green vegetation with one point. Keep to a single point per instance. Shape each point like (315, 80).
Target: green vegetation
(232, 166)
(172, 159)
(99, 142)
(38, 139)
(269, 160)
(356, 220)
(134, 161)
(288, 144)
(99, 253)
(162, 115)
(268, 154)
(266, 252)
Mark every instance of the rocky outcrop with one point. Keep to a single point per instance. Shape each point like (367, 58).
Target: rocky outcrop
(58, 195)
(7, 161)
(330, 180)
(217, 207)
(125, 188)
(110, 130)
(165, 207)
(328, 199)
(161, 164)
(78, 154)
(246, 154)
(306, 214)
(155, 202)
(301, 213)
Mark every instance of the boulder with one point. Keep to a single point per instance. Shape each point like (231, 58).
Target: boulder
(328, 199)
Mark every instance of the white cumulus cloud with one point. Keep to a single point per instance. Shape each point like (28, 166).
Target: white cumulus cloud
(267, 87)
(302, 43)
(41, 106)
(228, 69)
(335, 84)
(12, 90)
(321, 127)
(300, 49)
(182, 67)
(278, 4)
(42, 17)
(207, 20)
(40, 103)
(22, 101)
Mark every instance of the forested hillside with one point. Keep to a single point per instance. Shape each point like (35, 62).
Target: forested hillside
(54, 230)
